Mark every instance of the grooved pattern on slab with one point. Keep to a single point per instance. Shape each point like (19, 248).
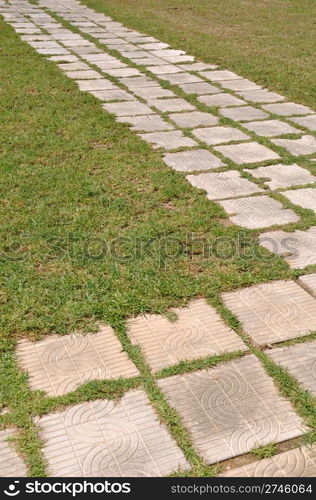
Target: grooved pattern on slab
(11, 464)
(283, 176)
(305, 198)
(232, 408)
(309, 280)
(198, 332)
(273, 312)
(249, 152)
(106, 439)
(59, 364)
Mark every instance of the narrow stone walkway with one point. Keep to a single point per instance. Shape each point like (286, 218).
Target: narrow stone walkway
(251, 167)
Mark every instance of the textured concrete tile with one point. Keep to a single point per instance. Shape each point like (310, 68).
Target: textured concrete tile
(151, 123)
(306, 145)
(180, 78)
(86, 50)
(128, 109)
(138, 81)
(218, 135)
(232, 408)
(218, 75)
(93, 58)
(199, 88)
(59, 364)
(297, 248)
(258, 212)
(84, 75)
(153, 92)
(89, 85)
(168, 140)
(140, 39)
(166, 53)
(221, 100)
(105, 65)
(153, 46)
(44, 45)
(198, 66)
(198, 332)
(241, 84)
(164, 70)
(107, 439)
(287, 109)
(243, 113)
(77, 43)
(171, 105)
(194, 160)
(300, 361)
(148, 61)
(53, 52)
(63, 59)
(271, 128)
(300, 462)
(179, 59)
(263, 96)
(11, 464)
(306, 121)
(273, 312)
(250, 152)
(74, 66)
(193, 119)
(283, 176)
(223, 185)
(309, 280)
(136, 54)
(112, 95)
(123, 72)
(305, 198)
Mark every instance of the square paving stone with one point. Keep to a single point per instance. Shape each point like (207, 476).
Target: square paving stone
(241, 84)
(178, 78)
(63, 59)
(168, 140)
(53, 52)
(153, 46)
(105, 65)
(300, 462)
(122, 72)
(59, 364)
(305, 198)
(109, 439)
(232, 408)
(298, 247)
(306, 121)
(219, 186)
(112, 95)
(138, 81)
(89, 85)
(306, 145)
(93, 58)
(136, 54)
(300, 361)
(77, 43)
(151, 123)
(199, 88)
(75, 66)
(165, 69)
(198, 332)
(148, 61)
(250, 152)
(309, 280)
(11, 464)
(221, 100)
(84, 75)
(198, 66)
(262, 95)
(287, 109)
(193, 119)
(271, 128)
(258, 212)
(283, 176)
(179, 59)
(243, 113)
(153, 92)
(273, 312)
(218, 135)
(128, 108)
(218, 75)
(194, 160)
(165, 105)
(86, 50)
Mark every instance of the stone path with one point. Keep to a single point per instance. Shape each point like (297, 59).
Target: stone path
(234, 407)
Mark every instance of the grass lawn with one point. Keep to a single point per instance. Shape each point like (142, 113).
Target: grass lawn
(95, 228)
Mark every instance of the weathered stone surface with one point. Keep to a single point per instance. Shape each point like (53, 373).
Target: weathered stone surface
(199, 88)
(90, 85)
(219, 135)
(306, 121)
(298, 247)
(153, 92)
(221, 100)
(271, 128)
(283, 176)
(165, 105)
(11, 464)
(165, 69)
(260, 96)
(193, 119)
(243, 113)
(300, 361)
(306, 145)
(75, 66)
(287, 109)
(231, 408)
(309, 280)
(218, 75)
(178, 78)
(107, 439)
(305, 198)
(299, 462)
(84, 75)
(150, 123)
(59, 364)
(250, 152)
(124, 72)
(148, 61)
(138, 81)
(198, 66)
(223, 185)
(112, 95)
(258, 212)
(128, 109)
(240, 84)
(168, 140)
(198, 332)
(194, 160)
(273, 312)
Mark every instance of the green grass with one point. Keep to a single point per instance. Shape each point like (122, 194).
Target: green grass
(95, 228)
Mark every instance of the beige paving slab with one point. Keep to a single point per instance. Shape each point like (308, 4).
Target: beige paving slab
(271, 128)
(178, 78)
(199, 332)
(198, 66)
(138, 81)
(297, 248)
(193, 119)
(199, 88)
(223, 184)
(221, 100)
(112, 95)
(109, 439)
(305, 198)
(257, 212)
(165, 105)
(306, 121)
(283, 176)
(168, 140)
(240, 84)
(243, 113)
(250, 152)
(287, 109)
(11, 464)
(219, 135)
(194, 160)
(84, 75)
(300, 362)
(153, 92)
(59, 364)
(300, 462)
(309, 280)
(306, 145)
(165, 69)
(128, 108)
(150, 123)
(273, 312)
(90, 85)
(230, 409)
(218, 75)
(259, 96)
